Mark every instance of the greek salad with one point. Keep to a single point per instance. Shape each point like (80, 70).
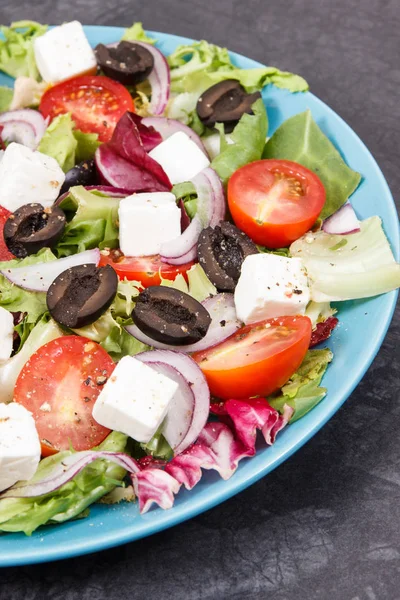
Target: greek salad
(166, 268)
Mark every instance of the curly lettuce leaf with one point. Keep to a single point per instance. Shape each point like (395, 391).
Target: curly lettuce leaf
(71, 499)
(361, 268)
(67, 145)
(6, 96)
(16, 49)
(196, 67)
(302, 392)
(248, 140)
(301, 140)
(94, 223)
(137, 33)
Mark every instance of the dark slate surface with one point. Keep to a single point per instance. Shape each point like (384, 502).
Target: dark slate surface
(326, 524)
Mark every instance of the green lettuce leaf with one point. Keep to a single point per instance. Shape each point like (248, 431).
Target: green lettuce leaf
(301, 140)
(16, 299)
(198, 66)
(87, 144)
(249, 140)
(302, 392)
(362, 268)
(44, 331)
(16, 49)
(66, 144)
(59, 141)
(94, 223)
(199, 286)
(278, 251)
(137, 33)
(71, 499)
(109, 330)
(6, 96)
(158, 447)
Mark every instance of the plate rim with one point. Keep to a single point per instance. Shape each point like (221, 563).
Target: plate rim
(233, 486)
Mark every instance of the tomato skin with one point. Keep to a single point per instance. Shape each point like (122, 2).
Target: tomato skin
(59, 385)
(258, 359)
(95, 101)
(145, 269)
(292, 197)
(5, 254)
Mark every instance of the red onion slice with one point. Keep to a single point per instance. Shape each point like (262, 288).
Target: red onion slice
(25, 126)
(210, 211)
(180, 413)
(39, 277)
(194, 376)
(167, 127)
(343, 222)
(219, 211)
(224, 323)
(67, 470)
(159, 80)
(182, 249)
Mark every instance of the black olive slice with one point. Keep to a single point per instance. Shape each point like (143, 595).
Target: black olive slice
(170, 316)
(32, 227)
(81, 294)
(221, 252)
(83, 173)
(128, 63)
(225, 102)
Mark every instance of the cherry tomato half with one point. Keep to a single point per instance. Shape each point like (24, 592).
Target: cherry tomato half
(146, 269)
(96, 103)
(256, 360)
(275, 201)
(5, 254)
(59, 385)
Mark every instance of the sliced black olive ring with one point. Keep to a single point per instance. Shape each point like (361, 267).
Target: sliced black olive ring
(83, 173)
(128, 63)
(221, 252)
(225, 102)
(81, 294)
(33, 227)
(170, 316)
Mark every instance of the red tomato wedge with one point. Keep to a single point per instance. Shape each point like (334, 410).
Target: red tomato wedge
(96, 102)
(256, 360)
(275, 201)
(146, 269)
(5, 254)
(59, 385)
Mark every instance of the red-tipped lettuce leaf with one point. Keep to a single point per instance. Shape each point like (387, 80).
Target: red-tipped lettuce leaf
(323, 331)
(124, 162)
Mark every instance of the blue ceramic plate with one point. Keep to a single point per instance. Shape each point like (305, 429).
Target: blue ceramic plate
(363, 325)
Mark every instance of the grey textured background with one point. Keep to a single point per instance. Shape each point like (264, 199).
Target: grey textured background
(326, 524)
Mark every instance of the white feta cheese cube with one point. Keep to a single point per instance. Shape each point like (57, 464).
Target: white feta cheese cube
(134, 400)
(6, 334)
(19, 445)
(27, 176)
(180, 157)
(146, 221)
(63, 52)
(271, 286)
